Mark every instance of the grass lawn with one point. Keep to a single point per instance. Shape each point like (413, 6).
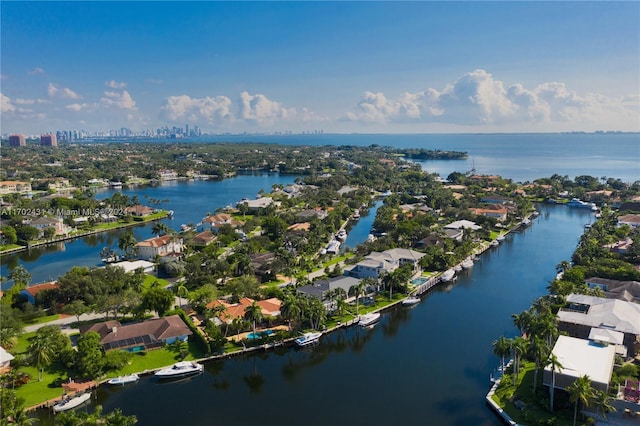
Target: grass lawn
(9, 247)
(42, 320)
(537, 406)
(150, 279)
(37, 392)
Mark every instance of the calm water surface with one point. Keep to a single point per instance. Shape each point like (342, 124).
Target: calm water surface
(424, 365)
(190, 201)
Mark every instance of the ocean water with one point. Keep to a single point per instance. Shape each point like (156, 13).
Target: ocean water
(520, 157)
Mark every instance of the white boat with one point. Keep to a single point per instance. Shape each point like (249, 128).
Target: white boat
(467, 263)
(576, 202)
(448, 275)
(500, 238)
(526, 222)
(341, 235)
(369, 319)
(457, 268)
(494, 243)
(410, 301)
(356, 214)
(333, 247)
(123, 380)
(179, 369)
(308, 338)
(73, 402)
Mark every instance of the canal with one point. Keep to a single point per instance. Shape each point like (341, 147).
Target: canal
(429, 364)
(190, 201)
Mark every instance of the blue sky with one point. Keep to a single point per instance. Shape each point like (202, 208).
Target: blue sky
(338, 66)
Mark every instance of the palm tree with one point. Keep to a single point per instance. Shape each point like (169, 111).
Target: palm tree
(563, 266)
(522, 321)
(555, 364)
(290, 309)
(181, 291)
(539, 349)
(519, 346)
(159, 228)
(127, 243)
(580, 391)
(253, 313)
(357, 290)
(41, 353)
(501, 348)
(603, 401)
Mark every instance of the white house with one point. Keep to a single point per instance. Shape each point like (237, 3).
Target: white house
(633, 220)
(158, 246)
(376, 263)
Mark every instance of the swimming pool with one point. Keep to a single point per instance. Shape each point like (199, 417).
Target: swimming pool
(259, 335)
(419, 281)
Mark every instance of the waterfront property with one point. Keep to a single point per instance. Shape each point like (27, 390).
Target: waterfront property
(579, 357)
(320, 289)
(158, 246)
(269, 307)
(132, 266)
(375, 264)
(629, 291)
(135, 337)
(586, 312)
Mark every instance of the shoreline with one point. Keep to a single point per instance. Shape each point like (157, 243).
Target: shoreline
(431, 283)
(81, 235)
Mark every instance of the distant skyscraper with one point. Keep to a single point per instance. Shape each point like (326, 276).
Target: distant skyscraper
(17, 140)
(48, 140)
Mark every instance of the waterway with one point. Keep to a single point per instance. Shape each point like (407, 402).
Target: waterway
(360, 229)
(190, 201)
(429, 364)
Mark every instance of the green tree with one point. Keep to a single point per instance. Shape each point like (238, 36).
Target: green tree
(90, 360)
(12, 409)
(47, 343)
(9, 235)
(603, 402)
(127, 243)
(502, 349)
(580, 391)
(157, 299)
(555, 364)
(76, 308)
(253, 313)
(357, 291)
(20, 277)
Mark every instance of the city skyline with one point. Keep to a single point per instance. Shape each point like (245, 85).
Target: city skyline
(415, 67)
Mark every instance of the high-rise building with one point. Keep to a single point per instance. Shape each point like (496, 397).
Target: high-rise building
(48, 140)
(17, 140)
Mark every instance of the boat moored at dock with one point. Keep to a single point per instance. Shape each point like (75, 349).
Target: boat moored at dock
(70, 403)
(180, 369)
(369, 319)
(123, 380)
(308, 339)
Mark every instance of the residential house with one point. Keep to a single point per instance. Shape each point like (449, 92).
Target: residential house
(43, 223)
(260, 203)
(214, 222)
(628, 291)
(203, 239)
(621, 246)
(168, 175)
(145, 335)
(454, 234)
(308, 214)
(463, 224)
(139, 211)
(497, 213)
(433, 240)
(580, 357)
(261, 264)
(31, 292)
(14, 187)
(158, 246)
(586, 312)
(320, 289)
(269, 307)
(598, 196)
(376, 263)
(5, 360)
(633, 220)
(132, 266)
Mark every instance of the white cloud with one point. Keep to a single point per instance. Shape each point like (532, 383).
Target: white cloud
(5, 104)
(115, 85)
(476, 98)
(262, 110)
(36, 71)
(61, 92)
(121, 100)
(209, 109)
(21, 101)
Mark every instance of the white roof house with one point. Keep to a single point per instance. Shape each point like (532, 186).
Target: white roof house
(579, 357)
(5, 360)
(463, 224)
(131, 266)
(613, 314)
